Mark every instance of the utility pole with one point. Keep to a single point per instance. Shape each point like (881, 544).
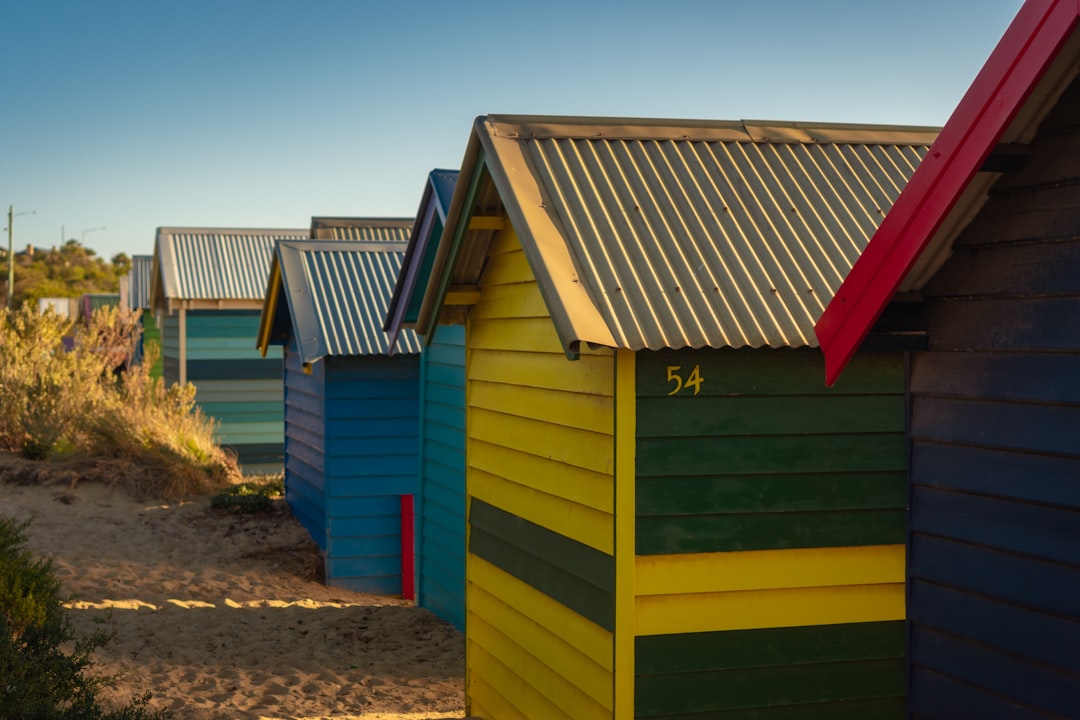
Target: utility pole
(10, 257)
(11, 251)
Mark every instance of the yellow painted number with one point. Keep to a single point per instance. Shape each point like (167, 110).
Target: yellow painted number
(694, 380)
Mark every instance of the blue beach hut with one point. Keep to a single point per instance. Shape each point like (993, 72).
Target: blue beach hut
(206, 288)
(351, 421)
(440, 510)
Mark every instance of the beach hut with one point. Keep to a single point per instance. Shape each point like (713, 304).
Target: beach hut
(986, 238)
(440, 510)
(351, 407)
(667, 514)
(135, 296)
(206, 288)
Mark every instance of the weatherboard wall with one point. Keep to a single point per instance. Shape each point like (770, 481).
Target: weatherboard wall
(351, 453)
(234, 384)
(540, 568)
(769, 529)
(995, 478)
(441, 504)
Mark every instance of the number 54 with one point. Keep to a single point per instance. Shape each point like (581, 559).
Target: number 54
(694, 380)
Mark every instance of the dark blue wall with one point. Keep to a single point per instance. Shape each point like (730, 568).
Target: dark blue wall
(994, 571)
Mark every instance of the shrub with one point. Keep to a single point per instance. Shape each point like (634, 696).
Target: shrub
(253, 496)
(57, 404)
(42, 664)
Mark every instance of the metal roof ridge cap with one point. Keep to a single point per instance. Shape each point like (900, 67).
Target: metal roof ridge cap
(524, 127)
(195, 230)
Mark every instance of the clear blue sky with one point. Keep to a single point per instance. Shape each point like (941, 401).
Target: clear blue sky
(263, 113)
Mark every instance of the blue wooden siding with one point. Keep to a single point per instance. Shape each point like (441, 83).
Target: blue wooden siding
(441, 507)
(351, 437)
(305, 432)
(371, 460)
(995, 478)
(170, 349)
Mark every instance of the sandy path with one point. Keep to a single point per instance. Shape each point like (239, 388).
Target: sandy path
(219, 616)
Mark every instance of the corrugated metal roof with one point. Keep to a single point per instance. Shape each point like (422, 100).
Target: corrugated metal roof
(412, 281)
(666, 234)
(364, 229)
(338, 294)
(138, 294)
(216, 263)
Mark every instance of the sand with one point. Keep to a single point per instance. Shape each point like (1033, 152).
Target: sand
(222, 616)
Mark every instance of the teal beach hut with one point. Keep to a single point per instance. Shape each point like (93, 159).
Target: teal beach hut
(207, 292)
(440, 510)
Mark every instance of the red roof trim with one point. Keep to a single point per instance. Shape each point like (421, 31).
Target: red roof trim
(998, 93)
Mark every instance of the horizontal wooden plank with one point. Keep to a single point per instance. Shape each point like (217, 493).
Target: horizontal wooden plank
(516, 698)
(1047, 429)
(768, 569)
(506, 269)
(570, 572)
(262, 369)
(1027, 376)
(771, 454)
(1040, 531)
(568, 446)
(589, 374)
(579, 689)
(1039, 637)
(729, 372)
(882, 708)
(768, 531)
(355, 580)
(515, 334)
(1024, 683)
(1005, 324)
(934, 696)
(1017, 475)
(1013, 578)
(764, 493)
(551, 477)
(712, 612)
(768, 647)
(706, 417)
(574, 410)
(558, 623)
(522, 300)
(1010, 270)
(795, 685)
(587, 525)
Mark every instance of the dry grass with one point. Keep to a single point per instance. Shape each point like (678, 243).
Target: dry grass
(87, 415)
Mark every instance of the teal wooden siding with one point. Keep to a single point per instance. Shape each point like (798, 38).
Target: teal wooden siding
(170, 348)
(441, 505)
(764, 457)
(234, 384)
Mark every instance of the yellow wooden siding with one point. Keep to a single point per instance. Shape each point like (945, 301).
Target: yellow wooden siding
(708, 612)
(540, 447)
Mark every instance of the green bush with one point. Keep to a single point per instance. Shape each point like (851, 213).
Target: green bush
(57, 404)
(42, 664)
(253, 496)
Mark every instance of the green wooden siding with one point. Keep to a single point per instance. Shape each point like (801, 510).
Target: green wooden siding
(764, 456)
(576, 575)
(850, 671)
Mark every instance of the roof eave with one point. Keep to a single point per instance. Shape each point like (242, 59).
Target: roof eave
(995, 99)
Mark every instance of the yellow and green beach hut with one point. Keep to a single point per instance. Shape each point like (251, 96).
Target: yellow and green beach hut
(668, 515)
